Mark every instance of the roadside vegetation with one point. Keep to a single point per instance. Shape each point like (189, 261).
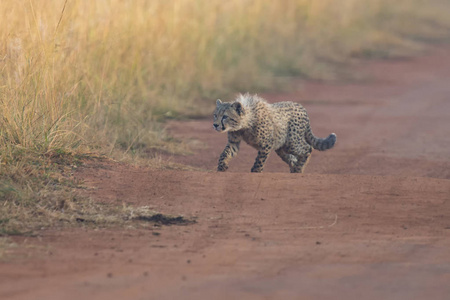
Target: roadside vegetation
(82, 78)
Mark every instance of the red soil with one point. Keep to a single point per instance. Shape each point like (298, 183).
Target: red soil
(370, 219)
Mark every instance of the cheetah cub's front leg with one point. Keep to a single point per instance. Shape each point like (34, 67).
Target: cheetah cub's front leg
(231, 149)
(260, 161)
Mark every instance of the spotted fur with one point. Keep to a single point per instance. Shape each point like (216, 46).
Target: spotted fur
(283, 127)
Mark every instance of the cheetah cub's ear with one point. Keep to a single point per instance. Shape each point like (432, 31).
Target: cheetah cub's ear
(238, 107)
(218, 102)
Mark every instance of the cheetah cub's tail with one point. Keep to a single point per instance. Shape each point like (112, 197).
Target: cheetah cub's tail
(319, 143)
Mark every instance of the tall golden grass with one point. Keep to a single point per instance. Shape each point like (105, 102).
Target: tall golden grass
(79, 76)
(87, 73)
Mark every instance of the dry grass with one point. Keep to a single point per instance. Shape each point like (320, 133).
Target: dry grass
(53, 199)
(97, 76)
(6, 245)
(81, 74)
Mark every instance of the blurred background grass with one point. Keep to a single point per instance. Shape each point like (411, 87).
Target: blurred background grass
(77, 74)
(99, 76)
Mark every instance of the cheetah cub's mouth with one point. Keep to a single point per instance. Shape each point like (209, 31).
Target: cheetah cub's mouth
(219, 128)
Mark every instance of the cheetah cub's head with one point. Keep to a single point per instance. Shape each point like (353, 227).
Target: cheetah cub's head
(228, 116)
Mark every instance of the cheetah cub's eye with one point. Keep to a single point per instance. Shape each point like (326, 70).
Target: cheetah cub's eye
(224, 117)
(215, 116)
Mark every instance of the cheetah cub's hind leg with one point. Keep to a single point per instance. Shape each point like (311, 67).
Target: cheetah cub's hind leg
(303, 154)
(302, 161)
(290, 159)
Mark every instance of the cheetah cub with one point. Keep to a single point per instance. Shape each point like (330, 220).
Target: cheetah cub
(283, 127)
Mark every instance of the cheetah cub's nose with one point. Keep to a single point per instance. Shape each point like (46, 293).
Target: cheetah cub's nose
(215, 126)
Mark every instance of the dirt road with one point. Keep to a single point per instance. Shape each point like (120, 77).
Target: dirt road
(370, 219)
